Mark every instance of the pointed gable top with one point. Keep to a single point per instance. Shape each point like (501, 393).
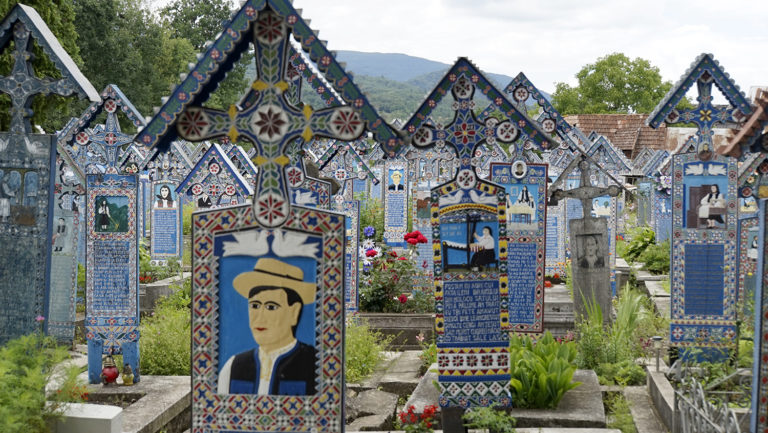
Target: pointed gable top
(110, 93)
(649, 168)
(704, 63)
(50, 45)
(226, 164)
(463, 66)
(220, 56)
(616, 159)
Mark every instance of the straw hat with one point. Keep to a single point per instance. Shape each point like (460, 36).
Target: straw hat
(274, 273)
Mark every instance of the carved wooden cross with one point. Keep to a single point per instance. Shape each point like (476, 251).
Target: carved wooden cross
(271, 121)
(585, 192)
(22, 84)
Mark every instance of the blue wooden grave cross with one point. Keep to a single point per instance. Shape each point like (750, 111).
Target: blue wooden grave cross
(705, 71)
(271, 122)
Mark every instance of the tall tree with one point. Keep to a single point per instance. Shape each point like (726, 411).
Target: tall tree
(50, 112)
(200, 21)
(123, 43)
(613, 84)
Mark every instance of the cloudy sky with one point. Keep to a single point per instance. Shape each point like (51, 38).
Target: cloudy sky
(551, 40)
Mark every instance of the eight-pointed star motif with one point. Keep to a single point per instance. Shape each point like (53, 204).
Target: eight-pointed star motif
(269, 123)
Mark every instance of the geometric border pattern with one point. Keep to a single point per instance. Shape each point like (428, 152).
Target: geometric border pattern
(321, 412)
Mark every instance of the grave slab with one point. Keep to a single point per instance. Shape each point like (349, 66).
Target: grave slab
(641, 407)
(164, 402)
(372, 408)
(90, 418)
(403, 375)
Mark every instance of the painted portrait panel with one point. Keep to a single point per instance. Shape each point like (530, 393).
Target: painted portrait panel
(111, 215)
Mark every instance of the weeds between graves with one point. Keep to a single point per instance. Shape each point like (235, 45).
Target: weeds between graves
(149, 273)
(165, 342)
(611, 351)
(489, 419)
(26, 367)
(618, 413)
(364, 350)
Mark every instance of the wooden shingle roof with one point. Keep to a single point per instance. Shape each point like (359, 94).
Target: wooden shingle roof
(626, 131)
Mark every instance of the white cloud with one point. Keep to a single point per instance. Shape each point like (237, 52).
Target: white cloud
(550, 41)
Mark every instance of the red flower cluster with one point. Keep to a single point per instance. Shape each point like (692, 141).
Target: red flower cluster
(415, 237)
(413, 423)
(370, 253)
(556, 276)
(402, 258)
(403, 298)
(547, 283)
(143, 279)
(393, 253)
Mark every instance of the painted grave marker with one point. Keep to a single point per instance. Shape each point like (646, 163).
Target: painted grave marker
(112, 286)
(396, 202)
(27, 172)
(238, 251)
(470, 243)
(214, 181)
(526, 192)
(704, 221)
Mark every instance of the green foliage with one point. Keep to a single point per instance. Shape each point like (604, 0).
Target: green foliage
(619, 414)
(26, 367)
(610, 350)
(428, 353)
(491, 419)
(386, 281)
(199, 21)
(165, 343)
(123, 43)
(372, 214)
(148, 272)
(613, 84)
(186, 218)
(50, 112)
(541, 372)
(656, 258)
(624, 373)
(364, 350)
(641, 238)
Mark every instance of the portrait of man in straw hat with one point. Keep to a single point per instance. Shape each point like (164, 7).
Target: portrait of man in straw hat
(280, 365)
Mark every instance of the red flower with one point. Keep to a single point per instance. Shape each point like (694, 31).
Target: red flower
(401, 258)
(421, 239)
(402, 298)
(547, 283)
(393, 253)
(370, 253)
(412, 241)
(556, 276)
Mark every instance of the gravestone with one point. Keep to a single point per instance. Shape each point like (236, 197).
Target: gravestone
(396, 202)
(166, 206)
(27, 172)
(613, 165)
(591, 271)
(526, 197)
(351, 210)
(112, 268)
(272, 242)
(704, 222)
(68, 191)
(214, 181)
(470, 246)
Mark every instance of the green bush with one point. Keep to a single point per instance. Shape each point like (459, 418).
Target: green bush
(186, 218)
(611, 351)
(364, 350)
(165, 343)
(641, 238)
(656, 258)
(491, 419)
(372, 214)
(541, 372)
(26, 367)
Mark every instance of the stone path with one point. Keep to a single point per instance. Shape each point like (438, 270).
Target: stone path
(641, 407)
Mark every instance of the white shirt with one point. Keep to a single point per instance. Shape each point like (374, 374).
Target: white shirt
(267, 361)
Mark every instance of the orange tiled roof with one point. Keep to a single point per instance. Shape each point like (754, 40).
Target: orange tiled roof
(625, 131)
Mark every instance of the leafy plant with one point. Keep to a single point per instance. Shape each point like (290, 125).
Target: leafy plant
(619, 414)
(610, 350)
(641, 238)
(165, 342)
(26, 367)
(541, 372)
(428, 353)
(491, 419)
(624, 373)
(148, 272)
(186, 218)
(364, 350)
(656, 258)
(372, 214)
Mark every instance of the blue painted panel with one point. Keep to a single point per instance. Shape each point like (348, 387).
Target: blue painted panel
(521, 270)
(704, 279)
